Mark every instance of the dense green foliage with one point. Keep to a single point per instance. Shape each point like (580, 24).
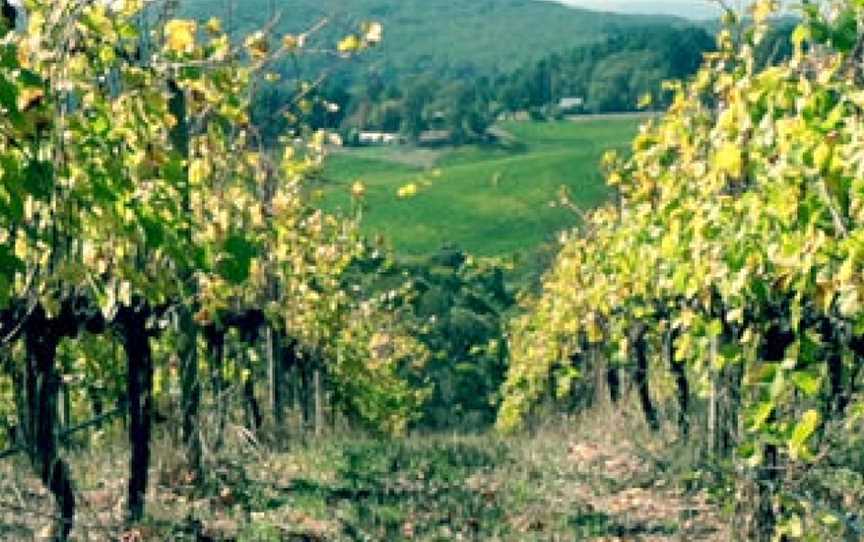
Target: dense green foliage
(730, 262)
(457, 37)
(460, 305)
(608, 76)
(432, 74)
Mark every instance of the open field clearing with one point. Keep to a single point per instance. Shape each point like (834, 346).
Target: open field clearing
(489, 200)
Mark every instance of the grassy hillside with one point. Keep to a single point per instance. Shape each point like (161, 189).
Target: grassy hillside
(437, 34)
(487, 200)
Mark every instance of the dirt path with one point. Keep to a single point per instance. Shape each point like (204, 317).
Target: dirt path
(621, 484)
(545, 487)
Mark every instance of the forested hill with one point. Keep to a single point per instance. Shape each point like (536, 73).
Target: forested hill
(467, 36)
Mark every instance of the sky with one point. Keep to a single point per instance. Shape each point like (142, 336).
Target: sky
(694, 9)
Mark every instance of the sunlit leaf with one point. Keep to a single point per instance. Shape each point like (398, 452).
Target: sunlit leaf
(802, 432)
(180, 36)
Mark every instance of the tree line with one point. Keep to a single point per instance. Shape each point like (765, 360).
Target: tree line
(610, 76)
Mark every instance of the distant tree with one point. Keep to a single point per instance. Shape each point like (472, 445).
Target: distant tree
(609, 76)
(609, 89)
(418, 94)
(777, 45)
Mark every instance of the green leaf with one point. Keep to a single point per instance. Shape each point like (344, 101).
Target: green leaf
(761, 414)
(807, 382)
(802, 433)
(9, 56)
(100, 125)
(39, 179)
(11, 180)
(9, 265)
(800, 35)
(154, 231)
(5, 291)
(29, 78)
(845, 34)
(819, 32)
(175, 171)
(234, 267)
(715, 328)
(8, 95)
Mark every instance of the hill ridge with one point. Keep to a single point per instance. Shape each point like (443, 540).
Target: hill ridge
(468, 36)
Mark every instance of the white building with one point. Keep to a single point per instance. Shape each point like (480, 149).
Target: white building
(571, 103)
(380, 138)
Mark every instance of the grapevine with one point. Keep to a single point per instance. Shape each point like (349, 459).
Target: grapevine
(143, 219)
(732, 257)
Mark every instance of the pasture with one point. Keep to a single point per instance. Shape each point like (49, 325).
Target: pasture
(491, 200)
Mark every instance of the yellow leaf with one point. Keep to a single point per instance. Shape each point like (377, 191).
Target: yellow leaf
(24, 54)
(290, 42)
(358, 189)
(349, 44)
(221, 47)
(28, 96)
(199, 169)
(800, 35)
(180, 36)
(131, 7)
(257, 45)
(762, 10)
(21, 247)
(645, 101)
(728, 160)
(407, 191)
(214, 26)
(801, 434)
(849, 303)
(124, 294)
(822, 155)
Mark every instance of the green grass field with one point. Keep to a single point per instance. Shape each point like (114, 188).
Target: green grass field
(489, 200)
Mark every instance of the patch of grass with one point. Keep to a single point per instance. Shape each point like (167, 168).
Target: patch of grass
(552, 484)
(392, 489)
(488, 200)
(588, 524)
(440, 487)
